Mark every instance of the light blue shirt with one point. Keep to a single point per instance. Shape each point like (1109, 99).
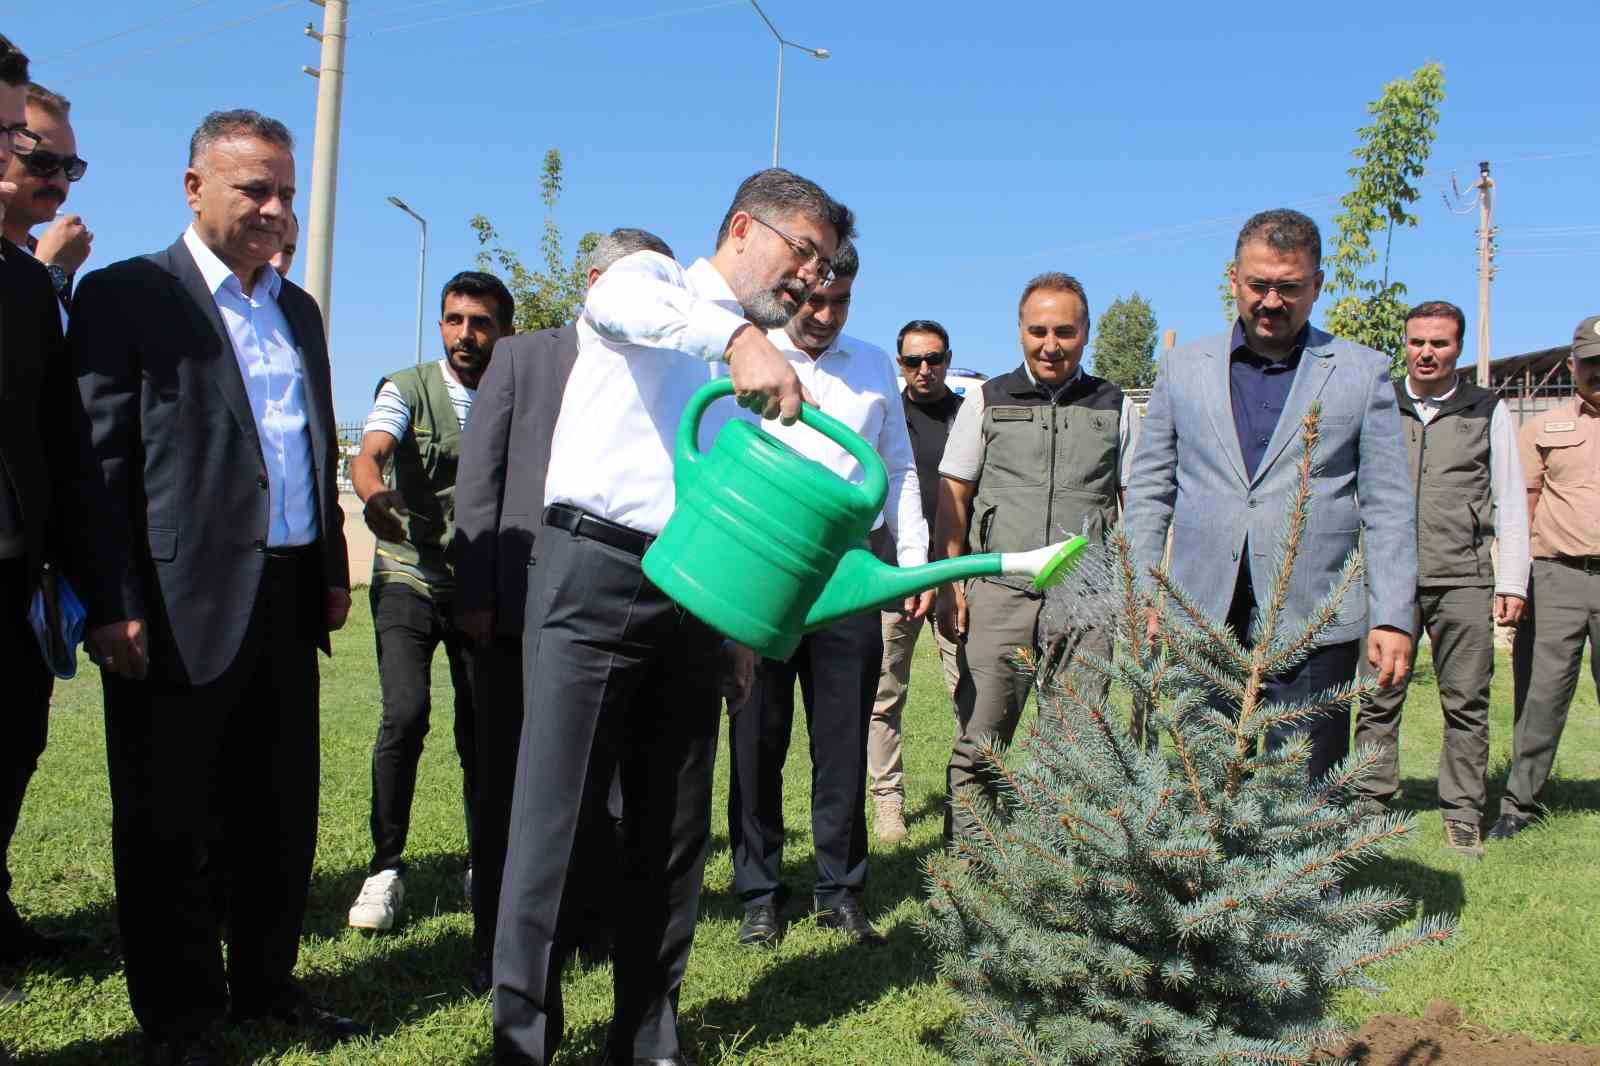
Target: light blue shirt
(274, 380)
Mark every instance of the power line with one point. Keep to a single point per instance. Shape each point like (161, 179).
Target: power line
(457, 15)
(86, 45)
(90, 72)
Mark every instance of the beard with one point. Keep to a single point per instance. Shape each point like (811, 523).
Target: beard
(762, 305)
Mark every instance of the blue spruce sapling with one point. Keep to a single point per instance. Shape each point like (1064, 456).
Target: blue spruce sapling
(1155, 887)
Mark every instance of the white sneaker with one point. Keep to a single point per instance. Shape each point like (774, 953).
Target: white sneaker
(377, 906)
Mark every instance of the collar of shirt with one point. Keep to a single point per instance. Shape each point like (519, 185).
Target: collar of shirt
(218, 276)
(707, 282)
(1239, 347)
(1432, 400)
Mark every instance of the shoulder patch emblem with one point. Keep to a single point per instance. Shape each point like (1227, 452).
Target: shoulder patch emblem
(1560, 427)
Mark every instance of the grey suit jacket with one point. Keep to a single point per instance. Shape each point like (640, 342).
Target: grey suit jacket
(1189, 475)
(500, 479)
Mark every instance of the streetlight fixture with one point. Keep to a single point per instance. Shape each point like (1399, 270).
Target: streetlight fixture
(815, 53)
(422, 266)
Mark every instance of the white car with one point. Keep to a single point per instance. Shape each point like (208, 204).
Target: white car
(960, 380)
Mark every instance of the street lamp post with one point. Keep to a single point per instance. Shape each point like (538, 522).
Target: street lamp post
(815, 53)
(422, 267)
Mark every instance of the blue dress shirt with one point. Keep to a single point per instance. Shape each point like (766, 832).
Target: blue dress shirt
(1259, 389)
(274, 380)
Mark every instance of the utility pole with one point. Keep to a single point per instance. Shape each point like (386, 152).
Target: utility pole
(325, 154)
(1485, 187)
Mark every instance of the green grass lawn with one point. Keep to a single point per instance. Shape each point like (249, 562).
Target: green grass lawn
(1528, 957)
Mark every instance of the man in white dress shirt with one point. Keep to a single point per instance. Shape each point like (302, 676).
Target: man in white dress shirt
(623, 677)
(837, 666)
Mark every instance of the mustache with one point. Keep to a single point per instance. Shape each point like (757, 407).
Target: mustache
(50, 192)
(466, 349)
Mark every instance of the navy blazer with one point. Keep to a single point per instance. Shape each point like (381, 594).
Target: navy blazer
(500, 479)
(171, 483)
(1189, 476)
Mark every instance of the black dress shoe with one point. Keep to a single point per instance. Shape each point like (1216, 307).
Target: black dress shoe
(309, 1018)
(481, 977)
(680, 1059)
(182, 1051)
(848, 916)
(1509, 826)
(760, 926)
(22, 944)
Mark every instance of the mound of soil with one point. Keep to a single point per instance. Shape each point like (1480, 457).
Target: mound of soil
(1439, 1038)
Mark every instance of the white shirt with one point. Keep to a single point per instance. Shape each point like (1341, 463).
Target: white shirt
(650, 335)
(1508, 491)
(856, 382)
(390, 414)
(274, 380)
(963, 452)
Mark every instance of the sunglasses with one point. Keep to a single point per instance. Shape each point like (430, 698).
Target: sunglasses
(42, 164)
(914, 362)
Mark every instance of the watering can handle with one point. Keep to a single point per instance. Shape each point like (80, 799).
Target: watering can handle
(874, 489)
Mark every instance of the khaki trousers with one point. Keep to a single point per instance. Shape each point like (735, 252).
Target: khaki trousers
(993, 691)
(1460, 627)
(885, 774)
(1563, 611)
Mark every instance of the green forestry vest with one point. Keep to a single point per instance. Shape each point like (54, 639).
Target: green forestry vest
(1049, 467)
(1450, 473)
(424, 470)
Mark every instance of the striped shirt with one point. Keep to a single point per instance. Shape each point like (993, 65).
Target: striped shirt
(391, 415)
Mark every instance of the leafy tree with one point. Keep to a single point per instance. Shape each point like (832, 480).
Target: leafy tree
(1230, 307)
(551, 296)
(1392, 154)
(1158, 889)
(1125, 345)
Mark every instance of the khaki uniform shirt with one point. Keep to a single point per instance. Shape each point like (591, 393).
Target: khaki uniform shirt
(1560, 452)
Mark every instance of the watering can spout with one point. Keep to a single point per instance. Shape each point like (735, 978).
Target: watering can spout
(862, 581)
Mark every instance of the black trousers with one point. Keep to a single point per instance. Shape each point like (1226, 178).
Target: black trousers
(409, 627)
(1325, 667)
(23, 723)
(837, 668)
(588, 922)
(214, 815)
(623, 682)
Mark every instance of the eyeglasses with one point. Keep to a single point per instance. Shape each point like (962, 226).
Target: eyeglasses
(806, 251)
(914, 362)
(23, 140)
(1288, 291)
(42, 164)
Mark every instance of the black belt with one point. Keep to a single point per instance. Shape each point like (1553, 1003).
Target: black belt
(1589, 564)
(591, 527)
(290, 551)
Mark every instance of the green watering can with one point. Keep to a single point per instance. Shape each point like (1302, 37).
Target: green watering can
(766, 545)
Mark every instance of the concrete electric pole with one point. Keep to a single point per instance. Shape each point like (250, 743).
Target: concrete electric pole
(325, 154)
(1485, 187)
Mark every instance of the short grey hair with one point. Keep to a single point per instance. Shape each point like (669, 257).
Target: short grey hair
(220, 125)
(846, 261)
(1053, 281)
(1285, 230)
(622, 241)
(776, 191)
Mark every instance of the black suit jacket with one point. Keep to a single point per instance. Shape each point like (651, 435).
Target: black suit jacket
(171, 479)
(36, 399)
(500, 481)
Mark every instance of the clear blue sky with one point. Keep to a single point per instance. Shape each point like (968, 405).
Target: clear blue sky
(978, 143)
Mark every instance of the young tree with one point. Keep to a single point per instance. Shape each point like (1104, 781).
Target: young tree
(549, 297)
(1392, 154)
(1160, 890)
(1125, 344)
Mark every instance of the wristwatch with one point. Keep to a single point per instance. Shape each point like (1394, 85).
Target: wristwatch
(59, 278)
